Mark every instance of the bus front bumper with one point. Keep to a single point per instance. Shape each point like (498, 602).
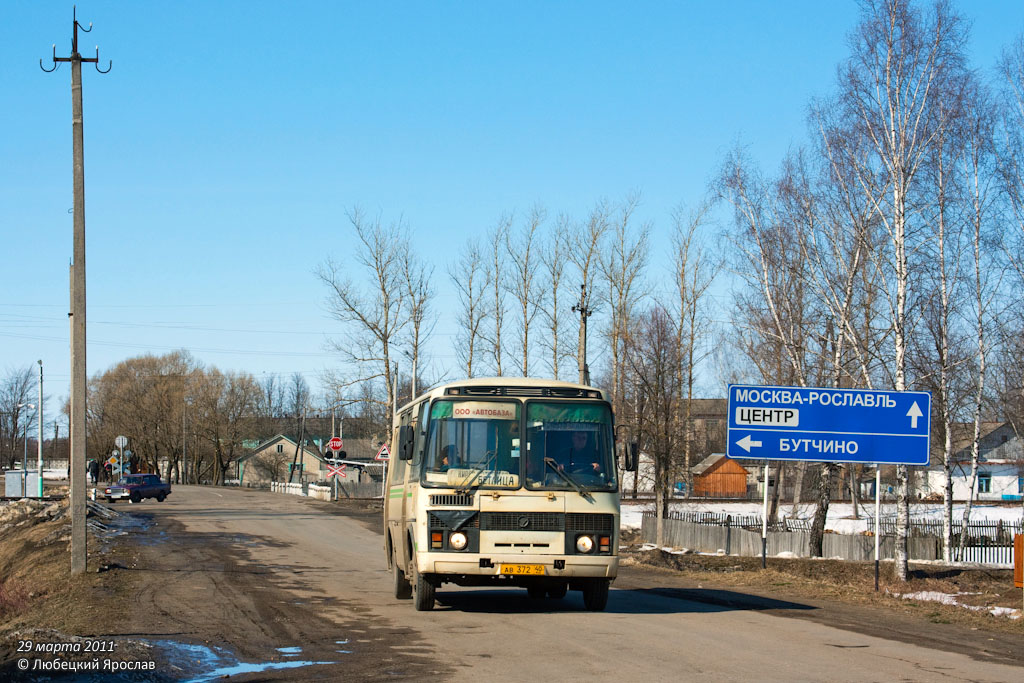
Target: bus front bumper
(515, 566)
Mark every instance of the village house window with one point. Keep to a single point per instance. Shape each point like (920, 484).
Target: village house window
(280, 448)
(984, 482)
(1020, 484)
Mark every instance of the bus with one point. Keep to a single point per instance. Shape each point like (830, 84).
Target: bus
(504, 482)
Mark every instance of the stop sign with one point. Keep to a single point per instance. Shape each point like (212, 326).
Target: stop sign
(335, 444)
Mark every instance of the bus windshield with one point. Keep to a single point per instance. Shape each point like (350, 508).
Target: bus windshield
(569, 446)
(473, 443)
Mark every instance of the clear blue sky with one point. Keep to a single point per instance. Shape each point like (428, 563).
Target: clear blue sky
(230, 138)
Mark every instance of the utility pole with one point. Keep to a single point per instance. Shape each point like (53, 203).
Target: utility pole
(585, 312)
(78, 372)
(40, 463)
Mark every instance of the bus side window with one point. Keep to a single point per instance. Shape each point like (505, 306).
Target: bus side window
(398, 465)
(419, 424)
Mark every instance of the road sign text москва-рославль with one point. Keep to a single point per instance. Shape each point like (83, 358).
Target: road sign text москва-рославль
(829, 425)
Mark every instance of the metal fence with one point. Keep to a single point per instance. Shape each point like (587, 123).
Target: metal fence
(987, 542)
(752, 522)
(999, 531)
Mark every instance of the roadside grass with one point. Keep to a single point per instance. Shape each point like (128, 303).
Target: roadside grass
(853, 583)
(37, 589)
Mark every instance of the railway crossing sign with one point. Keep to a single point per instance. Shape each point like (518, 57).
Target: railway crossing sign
(336, 470)
(383, 453)
(335, 444)
(829, 425)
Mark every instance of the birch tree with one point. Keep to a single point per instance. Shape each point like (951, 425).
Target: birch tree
(977, 161)
(888, 90)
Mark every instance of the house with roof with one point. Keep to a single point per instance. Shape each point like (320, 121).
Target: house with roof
(278, 459)
(719, 476)
(1000, 463)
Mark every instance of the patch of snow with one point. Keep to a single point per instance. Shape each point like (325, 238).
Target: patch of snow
(950, 599)
(786, 554)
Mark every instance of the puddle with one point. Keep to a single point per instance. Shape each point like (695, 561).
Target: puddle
(199, 663)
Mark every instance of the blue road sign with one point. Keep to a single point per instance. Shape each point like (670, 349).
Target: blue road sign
(829, 425)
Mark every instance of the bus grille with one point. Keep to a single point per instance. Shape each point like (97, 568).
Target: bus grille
(464, 499)
(588, 521)
(522, 521)
(436, 522)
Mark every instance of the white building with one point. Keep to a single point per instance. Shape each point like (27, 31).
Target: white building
(1000, 464)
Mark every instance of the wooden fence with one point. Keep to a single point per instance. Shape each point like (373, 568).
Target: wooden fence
(736, 540)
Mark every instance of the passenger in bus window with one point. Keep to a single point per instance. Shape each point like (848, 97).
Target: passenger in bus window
(449, 458)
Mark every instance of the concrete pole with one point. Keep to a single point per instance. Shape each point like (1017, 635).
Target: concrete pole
(40, 462)
(78, 371)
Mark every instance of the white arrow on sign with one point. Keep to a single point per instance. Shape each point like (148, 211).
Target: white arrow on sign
(746, 444)
(913, 414)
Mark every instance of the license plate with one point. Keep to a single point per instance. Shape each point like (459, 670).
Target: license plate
(519, 569)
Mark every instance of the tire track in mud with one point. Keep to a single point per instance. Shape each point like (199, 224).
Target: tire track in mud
(209, 589)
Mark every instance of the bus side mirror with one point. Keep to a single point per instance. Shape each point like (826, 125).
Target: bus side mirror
(406, 436)
(632, 456)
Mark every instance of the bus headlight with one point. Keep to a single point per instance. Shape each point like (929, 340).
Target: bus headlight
(584, 544)
(458, 540)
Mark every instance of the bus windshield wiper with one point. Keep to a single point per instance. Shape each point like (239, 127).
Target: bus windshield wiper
(580, 488)
(469, 485)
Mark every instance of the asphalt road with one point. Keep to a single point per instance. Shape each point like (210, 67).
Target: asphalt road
(335, 565)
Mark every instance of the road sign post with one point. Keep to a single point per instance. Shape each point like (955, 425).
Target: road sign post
(335, 444)
(830, 425)
(384, 455)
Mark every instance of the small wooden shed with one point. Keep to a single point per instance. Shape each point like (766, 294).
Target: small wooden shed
(718, 476)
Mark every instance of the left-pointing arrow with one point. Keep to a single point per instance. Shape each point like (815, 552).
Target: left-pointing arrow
(746, 443)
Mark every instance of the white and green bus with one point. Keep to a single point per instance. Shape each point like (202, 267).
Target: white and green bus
(504, 482)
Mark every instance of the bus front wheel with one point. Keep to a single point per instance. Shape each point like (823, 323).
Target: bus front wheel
(403, 589)
(595, 594)
(422, 591)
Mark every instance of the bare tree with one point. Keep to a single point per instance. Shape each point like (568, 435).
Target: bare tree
(418, 278)
(889, 86)
(374, 316)
(651, 360)
(977, 163)
(694, 269)
(522, 249)
(622, 264)
(471, 276)
(496, 243)
(584, 252)
(553, 257)
(17, 390)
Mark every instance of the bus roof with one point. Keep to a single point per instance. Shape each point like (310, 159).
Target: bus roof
(511, 386)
